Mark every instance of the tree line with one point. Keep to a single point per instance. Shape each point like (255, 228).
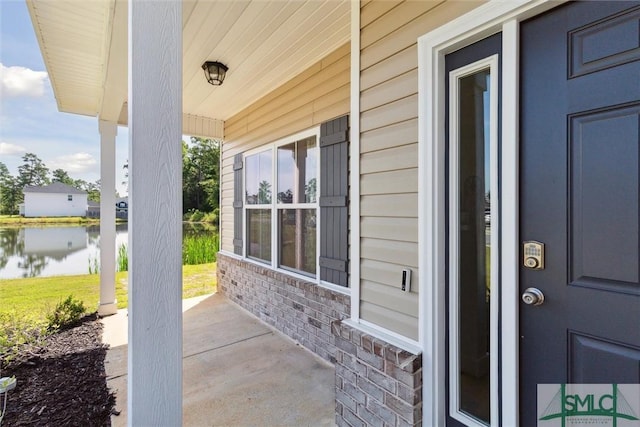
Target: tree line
(200, 178)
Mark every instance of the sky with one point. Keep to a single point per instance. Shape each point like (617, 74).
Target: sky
(29, 118)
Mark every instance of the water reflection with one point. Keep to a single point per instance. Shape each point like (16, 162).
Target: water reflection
(54, 242)
(51, 251)
(10, 244)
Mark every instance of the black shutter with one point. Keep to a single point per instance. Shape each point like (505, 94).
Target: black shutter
(334, 198)
(237, 204)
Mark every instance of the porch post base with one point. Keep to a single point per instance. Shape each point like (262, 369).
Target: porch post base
(107, 309)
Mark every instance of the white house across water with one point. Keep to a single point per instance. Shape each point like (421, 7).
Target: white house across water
(438, 197)
(55, 199)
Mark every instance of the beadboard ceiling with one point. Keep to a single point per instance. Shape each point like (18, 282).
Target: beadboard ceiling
(264, 44)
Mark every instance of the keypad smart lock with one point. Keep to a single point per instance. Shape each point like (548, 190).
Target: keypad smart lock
(533, 255)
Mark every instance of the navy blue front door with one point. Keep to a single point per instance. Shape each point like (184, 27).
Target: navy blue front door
(579, 187)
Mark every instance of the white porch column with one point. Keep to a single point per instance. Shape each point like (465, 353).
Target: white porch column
(155, 213)
(108, 131)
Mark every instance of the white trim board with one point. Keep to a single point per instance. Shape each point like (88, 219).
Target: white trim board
(490, 18)
(354, 164)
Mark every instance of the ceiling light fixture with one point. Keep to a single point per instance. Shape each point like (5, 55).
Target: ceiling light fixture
(215, 72)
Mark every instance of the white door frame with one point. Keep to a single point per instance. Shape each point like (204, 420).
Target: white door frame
(490, 18)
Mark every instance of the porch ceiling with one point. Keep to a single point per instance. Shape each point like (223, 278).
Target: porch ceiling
(264, 44)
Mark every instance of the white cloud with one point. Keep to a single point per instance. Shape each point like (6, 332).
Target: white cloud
(11, 149)
(73, 163)
(20, 81)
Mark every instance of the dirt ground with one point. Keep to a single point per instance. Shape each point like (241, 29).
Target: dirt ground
(63, 382)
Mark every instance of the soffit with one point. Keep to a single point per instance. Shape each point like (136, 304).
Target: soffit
(71, 35)
(264, 44)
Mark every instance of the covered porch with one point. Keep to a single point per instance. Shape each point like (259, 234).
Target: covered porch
(139, 64)
(236, 370)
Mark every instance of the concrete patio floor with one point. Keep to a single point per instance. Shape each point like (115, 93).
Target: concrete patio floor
(237, 371)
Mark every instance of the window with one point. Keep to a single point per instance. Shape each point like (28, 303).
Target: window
(69, 197)
(297, 209)
(259, 205)
(283, 217)
(291, 203)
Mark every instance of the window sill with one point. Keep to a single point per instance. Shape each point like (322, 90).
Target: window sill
(392, 338)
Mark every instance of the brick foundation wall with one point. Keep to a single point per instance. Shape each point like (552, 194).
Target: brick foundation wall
(300, 309)
(377, 384)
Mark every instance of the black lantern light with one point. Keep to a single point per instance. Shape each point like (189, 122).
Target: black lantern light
(214, 72)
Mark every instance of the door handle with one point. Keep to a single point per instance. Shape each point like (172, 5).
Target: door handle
(533, 296)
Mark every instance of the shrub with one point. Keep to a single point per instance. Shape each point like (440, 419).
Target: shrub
(211, 217)
(17, 331)
(196, 216)
(200, 249)
(122, 260)
(94, 264)
(66, 313)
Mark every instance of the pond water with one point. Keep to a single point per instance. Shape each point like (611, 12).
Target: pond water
(54, 251)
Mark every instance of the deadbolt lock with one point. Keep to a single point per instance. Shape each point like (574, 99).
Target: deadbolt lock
(531, 262)
(533, 255)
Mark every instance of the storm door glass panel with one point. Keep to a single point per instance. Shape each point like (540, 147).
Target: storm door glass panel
(298, 239)
(470, 277)
(259, 234)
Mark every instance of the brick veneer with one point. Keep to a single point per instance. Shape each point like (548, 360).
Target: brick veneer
(298, 308)
(377, 384)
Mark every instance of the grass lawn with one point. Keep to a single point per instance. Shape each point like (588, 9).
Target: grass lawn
(20, 220)
(40, 295)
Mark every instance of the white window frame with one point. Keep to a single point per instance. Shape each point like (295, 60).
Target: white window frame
(275, 207)
(490, 18)
(308, 206)
(256, 206)
(491, 64)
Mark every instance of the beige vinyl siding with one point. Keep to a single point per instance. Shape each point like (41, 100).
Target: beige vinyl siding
(389, 228)
(316, 95)
(393, 320)
(387, 182)
(389, 154)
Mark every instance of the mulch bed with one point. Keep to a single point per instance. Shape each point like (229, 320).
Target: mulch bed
(62, 383)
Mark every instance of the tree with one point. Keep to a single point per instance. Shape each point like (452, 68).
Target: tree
(10, 192)
(4, 172)
(92, 188)
(264, 192)
(126, 174)
(60, 175)
(201, 174)
(33, 171)
(80, 184)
